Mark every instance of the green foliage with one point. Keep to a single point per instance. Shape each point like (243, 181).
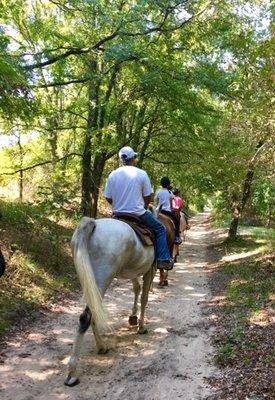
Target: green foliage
(192, 97)
(263, 199)
(15, 98)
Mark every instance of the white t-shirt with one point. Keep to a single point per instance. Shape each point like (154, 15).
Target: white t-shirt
(127, 186)
(163, 197)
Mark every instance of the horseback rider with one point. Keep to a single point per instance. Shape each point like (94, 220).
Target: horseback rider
(178, 204)
(128, 189)
(165, 199)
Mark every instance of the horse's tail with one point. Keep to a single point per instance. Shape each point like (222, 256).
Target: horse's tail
(84, 268)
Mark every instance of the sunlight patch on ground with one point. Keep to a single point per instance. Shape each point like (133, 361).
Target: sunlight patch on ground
(65, 340)
(65, 360)
(236, 282)
(161, 330)
(263, 317)
(188, 288)
(41, 376)
(14, 344)
(238, 256)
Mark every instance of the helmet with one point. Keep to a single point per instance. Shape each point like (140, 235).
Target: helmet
(165, 182)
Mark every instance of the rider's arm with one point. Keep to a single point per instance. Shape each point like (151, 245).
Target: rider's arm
(146, 190)
(147, 201)
(157, 199)
(108, 191)
(171, 203)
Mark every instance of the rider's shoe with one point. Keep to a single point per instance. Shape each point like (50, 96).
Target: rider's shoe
(165, 264)
(178, 240)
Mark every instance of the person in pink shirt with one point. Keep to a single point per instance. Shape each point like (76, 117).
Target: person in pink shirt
(178, 203)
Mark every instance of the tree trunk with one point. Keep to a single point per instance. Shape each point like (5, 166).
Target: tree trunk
(21, 156)
(86, 177)
(21, 185)
(145, 144)
(237, 208)
(97, 171)
(247, 189)
(234, 222)
(93, 101)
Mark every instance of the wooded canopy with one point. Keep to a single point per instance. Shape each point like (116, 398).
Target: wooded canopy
(188, 84)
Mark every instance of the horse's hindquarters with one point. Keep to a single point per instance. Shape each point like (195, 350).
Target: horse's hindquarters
(140, 263)
(104, 249)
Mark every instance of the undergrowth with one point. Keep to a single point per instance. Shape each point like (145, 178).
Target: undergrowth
(39, 265)
(244, 330)
(249, 300)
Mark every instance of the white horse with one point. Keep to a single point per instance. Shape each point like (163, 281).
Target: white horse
(102, 250)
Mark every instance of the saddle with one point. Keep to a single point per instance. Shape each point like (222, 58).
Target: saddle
(145, 234)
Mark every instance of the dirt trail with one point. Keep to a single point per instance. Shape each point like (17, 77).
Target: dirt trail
(170, 362)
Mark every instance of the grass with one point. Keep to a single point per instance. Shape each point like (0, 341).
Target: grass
(244, 282)
(39, 265)
(245, 315)
(250, 239)
(249, 296)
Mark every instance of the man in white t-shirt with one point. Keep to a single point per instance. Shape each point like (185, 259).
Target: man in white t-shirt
(128, 190)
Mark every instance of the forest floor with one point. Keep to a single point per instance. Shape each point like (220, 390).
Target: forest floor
(177, 359)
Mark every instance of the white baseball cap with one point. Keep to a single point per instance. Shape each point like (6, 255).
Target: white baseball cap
(127, 153)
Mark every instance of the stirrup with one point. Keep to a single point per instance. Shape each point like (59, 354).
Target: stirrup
(178, 240)
(167, 265)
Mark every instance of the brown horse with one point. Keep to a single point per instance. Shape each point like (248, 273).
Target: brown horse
(170, 229)
(183, 229)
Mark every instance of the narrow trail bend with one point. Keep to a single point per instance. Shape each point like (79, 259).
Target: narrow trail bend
(170, 362)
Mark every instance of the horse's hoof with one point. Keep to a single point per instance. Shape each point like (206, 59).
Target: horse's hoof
(71, 381)
(103, 350)
(165, 283)
(142, 331)
(133, 320)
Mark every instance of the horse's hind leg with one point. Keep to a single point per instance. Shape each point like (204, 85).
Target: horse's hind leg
(102, 347)
(133, 320)
(147, 280)
(84, 323)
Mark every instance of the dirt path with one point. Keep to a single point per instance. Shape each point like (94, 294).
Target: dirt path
(170, 362)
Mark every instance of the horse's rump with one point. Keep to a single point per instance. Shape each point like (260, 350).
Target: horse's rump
(170, 229)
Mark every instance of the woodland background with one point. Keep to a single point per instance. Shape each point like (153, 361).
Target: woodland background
(190, 86)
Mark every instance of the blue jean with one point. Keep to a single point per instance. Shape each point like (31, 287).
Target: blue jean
(162, 250)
